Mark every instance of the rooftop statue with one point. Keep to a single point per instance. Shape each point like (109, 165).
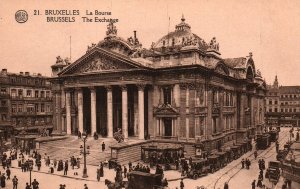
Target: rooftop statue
(111, 29)
(59, 60)
(258, 73)
(214, 44)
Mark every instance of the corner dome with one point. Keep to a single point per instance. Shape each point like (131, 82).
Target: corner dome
(182, 36)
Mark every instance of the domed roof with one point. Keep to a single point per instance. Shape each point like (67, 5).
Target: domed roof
(182, 36)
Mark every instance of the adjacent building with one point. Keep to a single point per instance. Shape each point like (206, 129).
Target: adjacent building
(283, 105)
(25, 102)
(180, 88)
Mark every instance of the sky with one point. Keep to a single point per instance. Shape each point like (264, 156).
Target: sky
(270, 29)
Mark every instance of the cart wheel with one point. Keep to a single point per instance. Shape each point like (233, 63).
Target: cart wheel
(195, 176)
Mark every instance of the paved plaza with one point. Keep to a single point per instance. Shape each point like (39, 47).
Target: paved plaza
(232, 173)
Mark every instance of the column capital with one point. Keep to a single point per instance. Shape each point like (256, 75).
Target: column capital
(183, 85)
(78, 89)
(92, 88)
(141, 87)
(68, 90)
(123, 87)
(108, 88)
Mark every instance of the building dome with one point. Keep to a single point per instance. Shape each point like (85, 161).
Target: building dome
(182, 36)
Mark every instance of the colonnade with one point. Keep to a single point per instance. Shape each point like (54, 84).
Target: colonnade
(110, 115)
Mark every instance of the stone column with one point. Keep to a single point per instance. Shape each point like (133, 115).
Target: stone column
(124, 112)
(109, 112)
(68, 112)
(57, 114)
(93, 110)
(80, 110)
(141, 111)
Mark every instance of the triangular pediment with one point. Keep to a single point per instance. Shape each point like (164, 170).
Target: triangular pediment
(100, 61)
(166, 110)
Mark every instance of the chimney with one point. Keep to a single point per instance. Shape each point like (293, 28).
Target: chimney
(27, 73)
(39, 74)
(4, 71)
(134, 35)
(21, 73)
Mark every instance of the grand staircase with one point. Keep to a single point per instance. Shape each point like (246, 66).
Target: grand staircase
(64, 149)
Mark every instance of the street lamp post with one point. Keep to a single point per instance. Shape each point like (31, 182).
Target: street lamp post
(30, 169)
(84, 151)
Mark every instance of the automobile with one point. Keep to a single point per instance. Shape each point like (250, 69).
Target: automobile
(281, 154)
(199, 167)
(273, 171)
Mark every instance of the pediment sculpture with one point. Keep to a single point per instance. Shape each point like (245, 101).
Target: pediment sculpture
(102, 64)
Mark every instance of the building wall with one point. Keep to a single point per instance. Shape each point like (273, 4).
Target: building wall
(28, 101)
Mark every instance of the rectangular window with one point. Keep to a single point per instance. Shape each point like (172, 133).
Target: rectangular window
(167, 95)
(270, 109)
(3, 117)
(276, 102)
(270, 101)
(48, 108)
(3, 91)
(187, 97)
(47, 94)
(20, 107)
(13, 93)
(36, 107)
(42, 107)
(276, 110)
(3, 103)
(13, 108)
(42, 94)
(215, 97)
(200, 96)
(36, 94)
(20, 93)
(28, 93)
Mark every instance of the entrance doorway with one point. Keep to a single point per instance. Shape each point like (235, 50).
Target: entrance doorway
(168, 126)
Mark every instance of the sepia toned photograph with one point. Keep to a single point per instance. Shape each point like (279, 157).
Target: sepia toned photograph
(137, 94)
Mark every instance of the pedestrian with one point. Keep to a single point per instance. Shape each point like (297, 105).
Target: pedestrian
(85, 186)
(125, 171)
(15, 182)
(66, 168)
(35, 184)
(243, 163)
(259, 183)
(98, 175)
(253, 184)
(8, 173)
(255, 154)
(226, 185)
(27, 186)
(2, 180)
(103, 146)
(181, 184)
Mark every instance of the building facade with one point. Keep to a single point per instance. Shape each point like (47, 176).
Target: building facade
(25, 102)
(283, 105)
(181, 88)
